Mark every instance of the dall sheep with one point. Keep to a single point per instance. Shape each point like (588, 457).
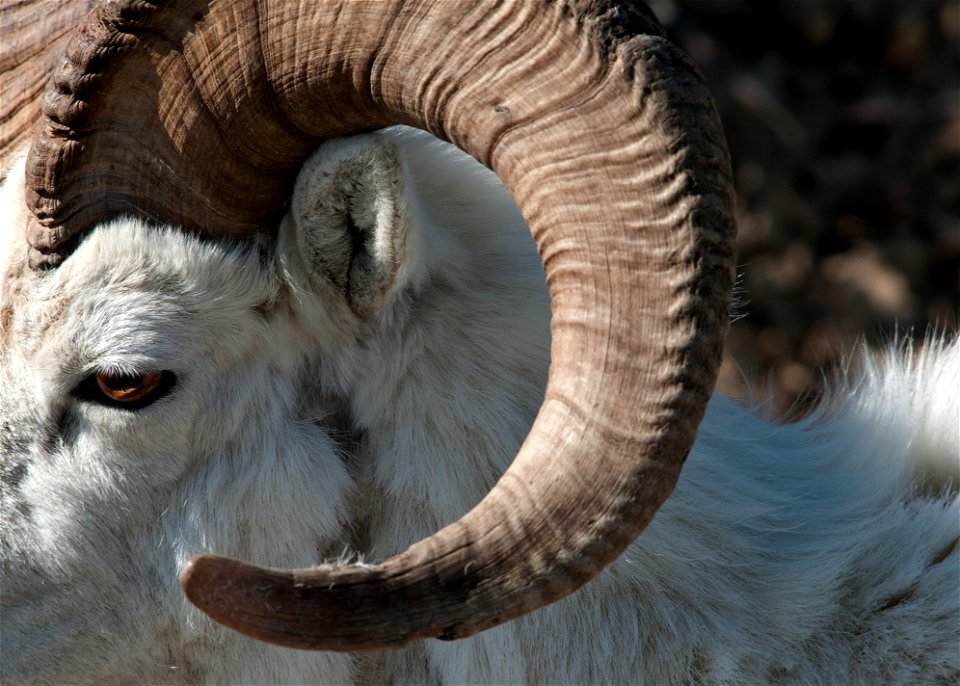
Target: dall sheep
(348, 386)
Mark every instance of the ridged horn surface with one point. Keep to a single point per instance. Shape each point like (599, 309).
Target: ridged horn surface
(200, 113)
(33, 34)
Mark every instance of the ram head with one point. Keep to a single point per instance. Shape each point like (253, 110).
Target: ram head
(200, 115)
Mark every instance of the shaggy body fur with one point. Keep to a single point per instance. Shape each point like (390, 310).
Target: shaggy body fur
(364, 381)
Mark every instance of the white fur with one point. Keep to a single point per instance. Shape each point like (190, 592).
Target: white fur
(311, 422)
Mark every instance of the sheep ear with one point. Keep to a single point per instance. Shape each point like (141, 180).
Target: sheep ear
(349, 221)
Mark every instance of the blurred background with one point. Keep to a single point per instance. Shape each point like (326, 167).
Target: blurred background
(843, 118)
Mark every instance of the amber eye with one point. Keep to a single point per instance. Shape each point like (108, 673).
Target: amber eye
(128, 391)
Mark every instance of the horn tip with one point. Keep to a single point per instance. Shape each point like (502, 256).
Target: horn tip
(237, 595)
(205, 578)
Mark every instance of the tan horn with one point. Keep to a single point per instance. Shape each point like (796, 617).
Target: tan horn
(33, 35)
(199, 114)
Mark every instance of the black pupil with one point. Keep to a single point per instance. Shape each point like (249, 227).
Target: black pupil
(124, 383)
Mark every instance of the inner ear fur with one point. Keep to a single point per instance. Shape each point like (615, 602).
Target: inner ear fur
(350, 220)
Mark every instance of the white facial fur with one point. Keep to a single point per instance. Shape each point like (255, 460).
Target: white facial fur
(364, 381)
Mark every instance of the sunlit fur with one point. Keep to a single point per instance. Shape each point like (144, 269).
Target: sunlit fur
(342, 396)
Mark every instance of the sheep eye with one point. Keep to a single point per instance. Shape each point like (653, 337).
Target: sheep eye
(127, 391)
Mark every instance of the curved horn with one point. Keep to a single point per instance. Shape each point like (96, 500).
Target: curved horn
(34, 35)
(610, 145)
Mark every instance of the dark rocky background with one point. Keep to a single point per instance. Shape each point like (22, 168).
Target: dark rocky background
(843, 118)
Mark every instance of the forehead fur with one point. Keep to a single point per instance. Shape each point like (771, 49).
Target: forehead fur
(126, 253)
(134, 290)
